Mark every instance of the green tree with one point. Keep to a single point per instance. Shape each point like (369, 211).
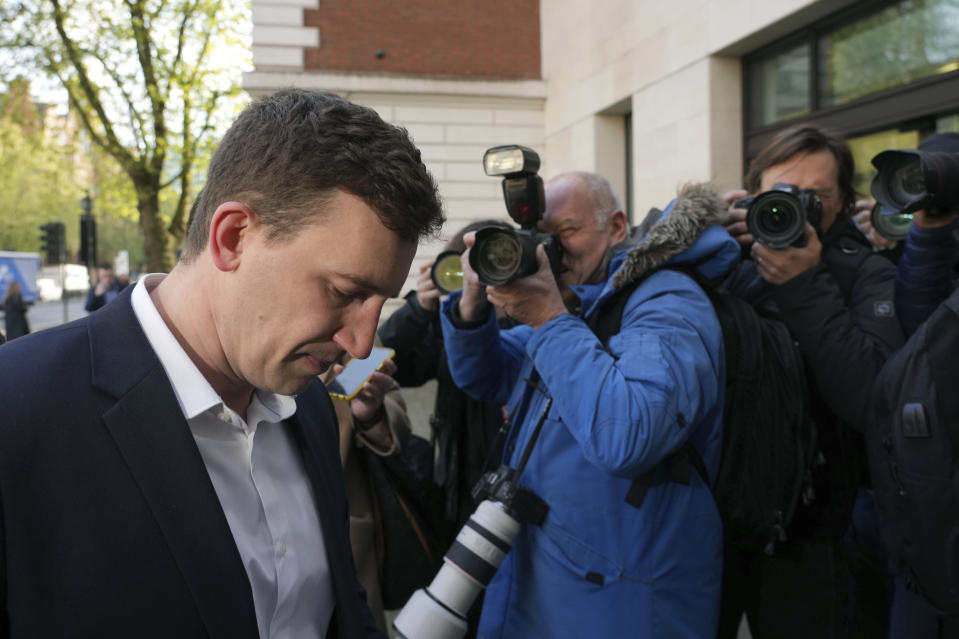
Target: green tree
(151, 81)
(902, 43)
(37, 182)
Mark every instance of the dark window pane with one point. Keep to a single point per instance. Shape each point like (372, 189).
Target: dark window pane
(901, 44)
(779, 86)
(865, 147)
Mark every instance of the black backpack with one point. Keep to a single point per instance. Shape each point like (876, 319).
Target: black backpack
(912, 443)
(769, 440)
(407, 506)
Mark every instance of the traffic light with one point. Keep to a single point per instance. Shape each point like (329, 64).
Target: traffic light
(88, 239)
(54, 248)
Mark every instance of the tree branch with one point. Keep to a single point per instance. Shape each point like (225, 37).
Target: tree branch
(112, 144)
(141, 35)
(137, 124)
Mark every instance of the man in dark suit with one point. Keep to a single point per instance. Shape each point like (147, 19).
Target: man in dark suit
(157, 476)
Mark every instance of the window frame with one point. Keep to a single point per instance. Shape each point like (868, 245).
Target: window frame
(923, 99)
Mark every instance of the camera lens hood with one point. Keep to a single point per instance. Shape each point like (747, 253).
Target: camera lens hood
(899, 183)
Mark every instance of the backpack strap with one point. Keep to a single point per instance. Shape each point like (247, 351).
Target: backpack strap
(605, 323)
(675, 468)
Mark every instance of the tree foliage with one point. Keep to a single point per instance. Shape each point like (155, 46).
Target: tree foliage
(902, 43)
(152, 82)
(36, 177)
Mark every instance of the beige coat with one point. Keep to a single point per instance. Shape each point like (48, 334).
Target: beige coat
(365, 535)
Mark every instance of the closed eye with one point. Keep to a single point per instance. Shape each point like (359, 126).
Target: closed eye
(349, 296)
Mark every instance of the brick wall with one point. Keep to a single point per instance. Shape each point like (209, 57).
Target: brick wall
(461, 38)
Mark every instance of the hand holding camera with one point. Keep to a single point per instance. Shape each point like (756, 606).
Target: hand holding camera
(427, 293)
(473, 302)
(778, 266)
(534, 299)
(735, 222)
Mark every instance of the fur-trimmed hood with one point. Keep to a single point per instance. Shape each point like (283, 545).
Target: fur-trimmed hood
(688, 232)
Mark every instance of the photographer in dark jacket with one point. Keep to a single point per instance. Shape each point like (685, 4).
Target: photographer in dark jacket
(925, 278)
(463, 429)
(926, 275)
(835, 296)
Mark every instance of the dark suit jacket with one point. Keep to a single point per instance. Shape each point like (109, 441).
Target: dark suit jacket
(109, 523)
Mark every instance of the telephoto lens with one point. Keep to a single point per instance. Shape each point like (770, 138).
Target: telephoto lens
(439, 610)
(447, 272)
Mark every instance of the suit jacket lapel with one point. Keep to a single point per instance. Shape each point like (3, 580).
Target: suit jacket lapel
(155, 441)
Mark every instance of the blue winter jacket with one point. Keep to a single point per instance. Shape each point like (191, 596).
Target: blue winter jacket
(598, 567)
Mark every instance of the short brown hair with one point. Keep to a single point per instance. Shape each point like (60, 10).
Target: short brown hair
(293, 149)
(803, 139)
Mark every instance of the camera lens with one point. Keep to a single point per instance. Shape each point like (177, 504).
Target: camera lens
(892, 225)
(899, 183)
(496, 256)
(907, 182)
(447, 272)
(776, 219)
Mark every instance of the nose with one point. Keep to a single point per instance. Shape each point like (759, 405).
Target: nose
(359, 329)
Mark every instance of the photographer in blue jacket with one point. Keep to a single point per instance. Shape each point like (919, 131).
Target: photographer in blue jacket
(597, 565)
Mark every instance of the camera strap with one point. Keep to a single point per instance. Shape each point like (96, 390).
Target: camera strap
(536, 430)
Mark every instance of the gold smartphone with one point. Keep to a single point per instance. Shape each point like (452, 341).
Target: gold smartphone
(349, 382)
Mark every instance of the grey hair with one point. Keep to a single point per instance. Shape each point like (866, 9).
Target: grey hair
(605, 199)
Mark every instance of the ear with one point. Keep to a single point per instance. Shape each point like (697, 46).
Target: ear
(618, 226)
(230, 227)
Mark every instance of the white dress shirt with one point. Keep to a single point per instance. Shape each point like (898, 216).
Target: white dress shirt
(262, 486)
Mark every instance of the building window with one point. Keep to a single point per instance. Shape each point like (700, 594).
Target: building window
(874, 67)
(907, 136)
(780, 86)
(898, 45)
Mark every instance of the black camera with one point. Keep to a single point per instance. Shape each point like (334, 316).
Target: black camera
(777, 218)
(501, 486)
(909, 180)
(499, 255)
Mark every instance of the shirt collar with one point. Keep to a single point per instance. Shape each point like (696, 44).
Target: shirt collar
(193, 392)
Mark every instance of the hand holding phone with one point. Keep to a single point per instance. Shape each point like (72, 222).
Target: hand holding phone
(349, 382)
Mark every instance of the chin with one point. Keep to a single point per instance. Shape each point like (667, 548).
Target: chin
(290, 386)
